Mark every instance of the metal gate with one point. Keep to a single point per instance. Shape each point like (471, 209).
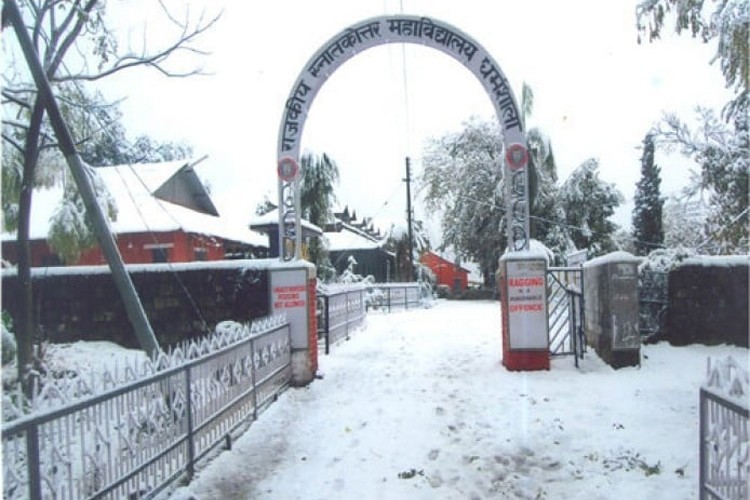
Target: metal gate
(565, 308)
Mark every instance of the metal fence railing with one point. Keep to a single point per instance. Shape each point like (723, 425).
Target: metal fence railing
(653, 302)
(339, 313)
(396, 295)
(565, 309)
(134, 440)
(724, 434)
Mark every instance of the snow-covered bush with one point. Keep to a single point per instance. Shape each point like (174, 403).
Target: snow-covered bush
(9, 345)
(665, 259)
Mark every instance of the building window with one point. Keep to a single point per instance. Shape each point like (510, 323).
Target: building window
(200, 254)
(160, 255)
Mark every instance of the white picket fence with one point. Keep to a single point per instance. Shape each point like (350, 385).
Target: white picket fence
(130, 434)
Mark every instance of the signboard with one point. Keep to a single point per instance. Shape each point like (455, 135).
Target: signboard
(527, 304)
(289, 297)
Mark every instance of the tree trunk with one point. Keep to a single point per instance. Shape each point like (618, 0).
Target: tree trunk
(26, 326)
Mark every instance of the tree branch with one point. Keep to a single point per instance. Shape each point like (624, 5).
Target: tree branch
(71, 37)
(13, 143)
(154, 60)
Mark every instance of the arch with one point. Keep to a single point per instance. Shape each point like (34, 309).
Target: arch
(400, 29)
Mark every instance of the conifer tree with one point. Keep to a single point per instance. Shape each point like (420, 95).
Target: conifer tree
(648, 229)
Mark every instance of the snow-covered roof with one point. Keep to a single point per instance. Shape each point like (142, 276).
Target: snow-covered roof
(352, 238)
(348, 240)
(272, 218)
(138, 210)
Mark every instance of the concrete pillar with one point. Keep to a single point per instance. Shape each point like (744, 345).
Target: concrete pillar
(292, 293)
(523, 302)
(611, 308)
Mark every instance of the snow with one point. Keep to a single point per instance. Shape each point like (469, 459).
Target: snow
(418, 406)
(537, 250)
(718, 260)
(349, 240)
(167, 267)
(612, 258)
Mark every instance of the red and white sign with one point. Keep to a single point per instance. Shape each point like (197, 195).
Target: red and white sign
(527, 304)
(517, 156)
(289, 297)
(288, 168)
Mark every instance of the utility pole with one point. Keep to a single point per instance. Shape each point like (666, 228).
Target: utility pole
(408, 219)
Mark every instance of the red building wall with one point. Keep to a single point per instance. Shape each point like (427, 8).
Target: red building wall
(135, 248)
(446, 272)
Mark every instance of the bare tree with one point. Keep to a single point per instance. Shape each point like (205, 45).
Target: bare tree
(66, 34)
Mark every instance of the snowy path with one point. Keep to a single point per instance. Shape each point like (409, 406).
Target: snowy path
(418, 406)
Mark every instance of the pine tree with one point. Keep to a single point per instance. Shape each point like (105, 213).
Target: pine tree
(648, 229)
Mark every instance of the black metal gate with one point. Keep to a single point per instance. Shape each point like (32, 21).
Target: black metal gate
(565, 308)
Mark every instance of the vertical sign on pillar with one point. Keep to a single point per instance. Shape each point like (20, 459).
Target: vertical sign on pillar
(527, 304)
(524, 307)
(289, 296)
(290, 231)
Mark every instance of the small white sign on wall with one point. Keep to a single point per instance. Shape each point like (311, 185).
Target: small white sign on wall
(289, 297)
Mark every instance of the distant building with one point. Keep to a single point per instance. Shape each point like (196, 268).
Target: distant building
(368, 249)
(268, 224)
(164, 214)
(446, 272)
(345, 239)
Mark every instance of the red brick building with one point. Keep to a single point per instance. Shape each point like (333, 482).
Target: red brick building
(164, 214)
(446, 272)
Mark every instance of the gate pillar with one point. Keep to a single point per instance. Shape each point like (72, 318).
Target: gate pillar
(292, 293)
(523, 301)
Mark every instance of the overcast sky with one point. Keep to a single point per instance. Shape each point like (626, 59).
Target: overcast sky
(597, 92)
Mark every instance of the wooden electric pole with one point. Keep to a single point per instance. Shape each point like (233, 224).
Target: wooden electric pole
(408, 219)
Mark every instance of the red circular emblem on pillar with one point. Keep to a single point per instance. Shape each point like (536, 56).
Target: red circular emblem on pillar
(288, 168)
(517, 156)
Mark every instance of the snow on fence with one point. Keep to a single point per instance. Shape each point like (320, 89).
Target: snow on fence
(724, 444)
(341, 310)
(134, 432)
(397, 295)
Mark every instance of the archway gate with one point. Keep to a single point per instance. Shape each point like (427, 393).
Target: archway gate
(335, 52)
(399, 29)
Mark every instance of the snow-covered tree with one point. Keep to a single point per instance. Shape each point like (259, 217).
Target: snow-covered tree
(546, 212)
(57, 29)
(398, 243)
(319, 175)
(684, 223)
(588, 203)
(723, 155)
(463, 181)
(728, 23)
(648, 230)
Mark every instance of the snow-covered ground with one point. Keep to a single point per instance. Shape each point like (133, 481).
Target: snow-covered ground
(417, 406)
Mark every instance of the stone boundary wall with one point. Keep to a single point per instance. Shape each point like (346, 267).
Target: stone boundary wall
(708, 301)
(182, 301)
